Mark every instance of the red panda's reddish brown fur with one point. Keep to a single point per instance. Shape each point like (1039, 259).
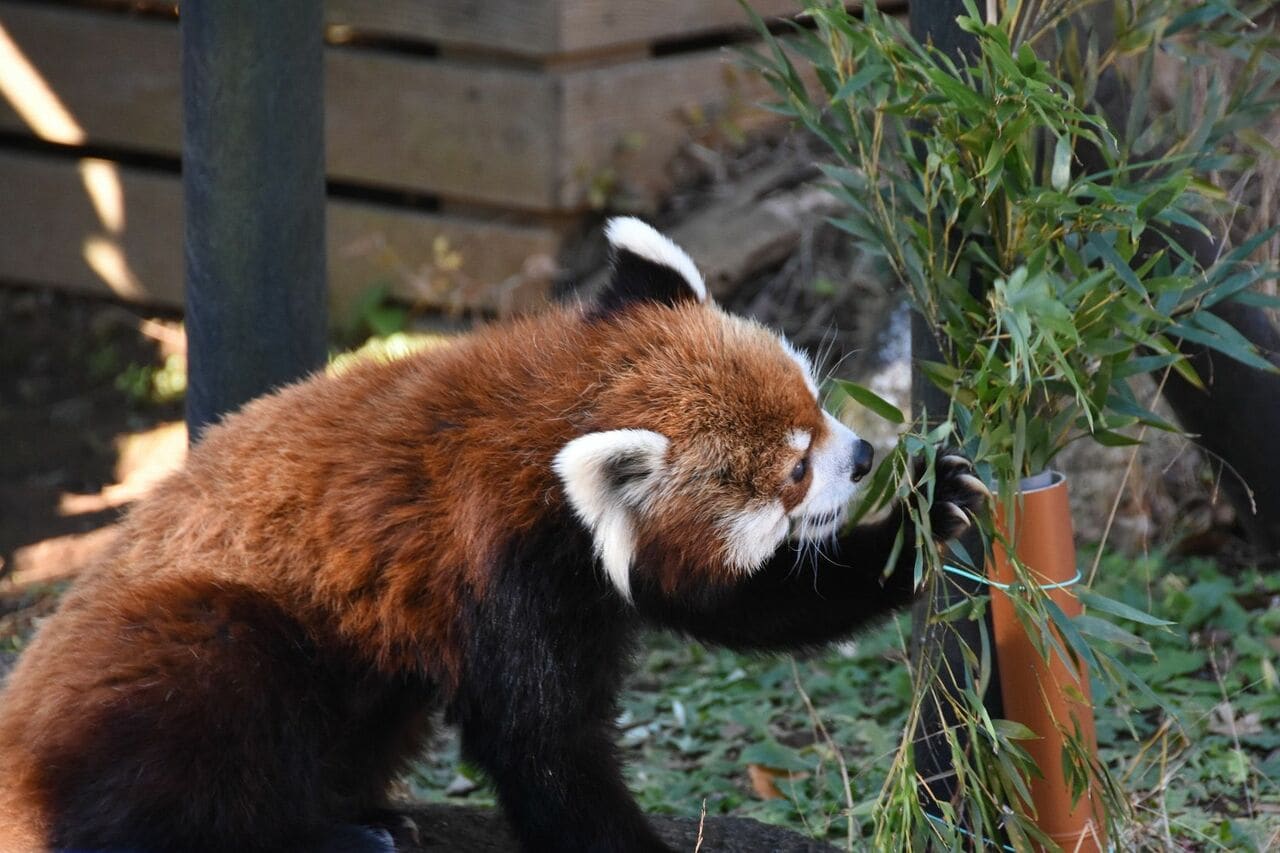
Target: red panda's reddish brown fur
(339, 559)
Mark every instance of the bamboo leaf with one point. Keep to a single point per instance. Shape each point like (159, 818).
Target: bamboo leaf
(1163, 196)
(1144, 364)
(1218, 334)
(1107, 253)
(1095, 601)
(1259, 300)
(1061, 174)
(871, 400)
(1101, 629)
(1108, 438)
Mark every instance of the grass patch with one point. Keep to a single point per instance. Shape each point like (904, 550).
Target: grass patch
(1200, 758)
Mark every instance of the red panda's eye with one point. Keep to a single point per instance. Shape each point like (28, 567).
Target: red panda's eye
(798, 472)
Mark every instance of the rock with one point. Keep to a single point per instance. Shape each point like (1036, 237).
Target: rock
(469, 829)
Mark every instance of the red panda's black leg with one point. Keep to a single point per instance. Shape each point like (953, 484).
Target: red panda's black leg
(547, 648)
(561, 788)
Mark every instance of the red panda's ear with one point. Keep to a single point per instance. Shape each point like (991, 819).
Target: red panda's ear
(647, 267)
(608, 477)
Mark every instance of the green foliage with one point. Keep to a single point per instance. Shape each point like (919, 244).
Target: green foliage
(372, 315)
(385, 348)
(149, 384)
(1050, 285)
(694, 718)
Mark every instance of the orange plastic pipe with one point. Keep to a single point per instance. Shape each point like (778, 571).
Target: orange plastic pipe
(1038, 693)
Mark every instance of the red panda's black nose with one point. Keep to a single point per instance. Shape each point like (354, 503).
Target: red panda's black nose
(863, 454)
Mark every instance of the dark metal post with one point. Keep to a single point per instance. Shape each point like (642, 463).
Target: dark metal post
(935, 21)
(253, 177)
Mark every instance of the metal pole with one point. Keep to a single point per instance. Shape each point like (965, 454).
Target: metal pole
(935, 21)
(253, 178)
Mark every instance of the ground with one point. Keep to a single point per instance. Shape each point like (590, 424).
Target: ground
(81, 437)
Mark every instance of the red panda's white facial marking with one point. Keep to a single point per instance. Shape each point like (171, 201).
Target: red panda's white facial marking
(751, 537)
(825, 505)
(800, 439)
(710, 447)
(823, 471)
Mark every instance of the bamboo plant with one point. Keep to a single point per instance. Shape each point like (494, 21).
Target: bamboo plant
(1049, 286)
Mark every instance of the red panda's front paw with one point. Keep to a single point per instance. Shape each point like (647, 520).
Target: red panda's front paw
(957, 498)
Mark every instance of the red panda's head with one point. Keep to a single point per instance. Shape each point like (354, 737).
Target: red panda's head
(705, 439)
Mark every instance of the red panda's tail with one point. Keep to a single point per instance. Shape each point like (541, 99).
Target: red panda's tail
(19, 826)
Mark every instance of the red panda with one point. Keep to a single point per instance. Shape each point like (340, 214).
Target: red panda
(479, 529)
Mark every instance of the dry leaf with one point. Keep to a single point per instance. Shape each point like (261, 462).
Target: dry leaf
(763, 780)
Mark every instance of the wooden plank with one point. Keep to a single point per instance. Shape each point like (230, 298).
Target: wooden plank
(93, 226)
(440, 260)
(631, 120)
(445, 128)
(522, 27)
(511, 137)
(117, 78)
(88, 225)
(594, 24)
(546, 28)
(532, 29)
(453, 129)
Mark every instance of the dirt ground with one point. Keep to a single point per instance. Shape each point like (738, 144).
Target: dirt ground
(64, 419)
(75, 447)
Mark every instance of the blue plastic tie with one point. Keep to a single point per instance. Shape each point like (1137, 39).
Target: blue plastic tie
(987, 843)
(959, 572)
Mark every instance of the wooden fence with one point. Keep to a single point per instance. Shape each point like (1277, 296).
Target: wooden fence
(465, 139)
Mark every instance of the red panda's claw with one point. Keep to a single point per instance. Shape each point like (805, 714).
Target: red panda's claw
(975, 485)
(960, 520)
(959, 495)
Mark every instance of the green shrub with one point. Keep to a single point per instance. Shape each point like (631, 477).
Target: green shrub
(1049, 287)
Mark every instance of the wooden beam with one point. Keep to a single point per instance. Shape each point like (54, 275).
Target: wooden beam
(99, 228)
(513, 137)
(532, 30)
(632, 119)
(549, 28)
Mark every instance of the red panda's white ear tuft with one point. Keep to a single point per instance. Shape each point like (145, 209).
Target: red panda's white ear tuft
(608, 477)
(647, 267)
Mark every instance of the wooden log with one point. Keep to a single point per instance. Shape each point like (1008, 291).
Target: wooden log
(468, 829)
(100, 228)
